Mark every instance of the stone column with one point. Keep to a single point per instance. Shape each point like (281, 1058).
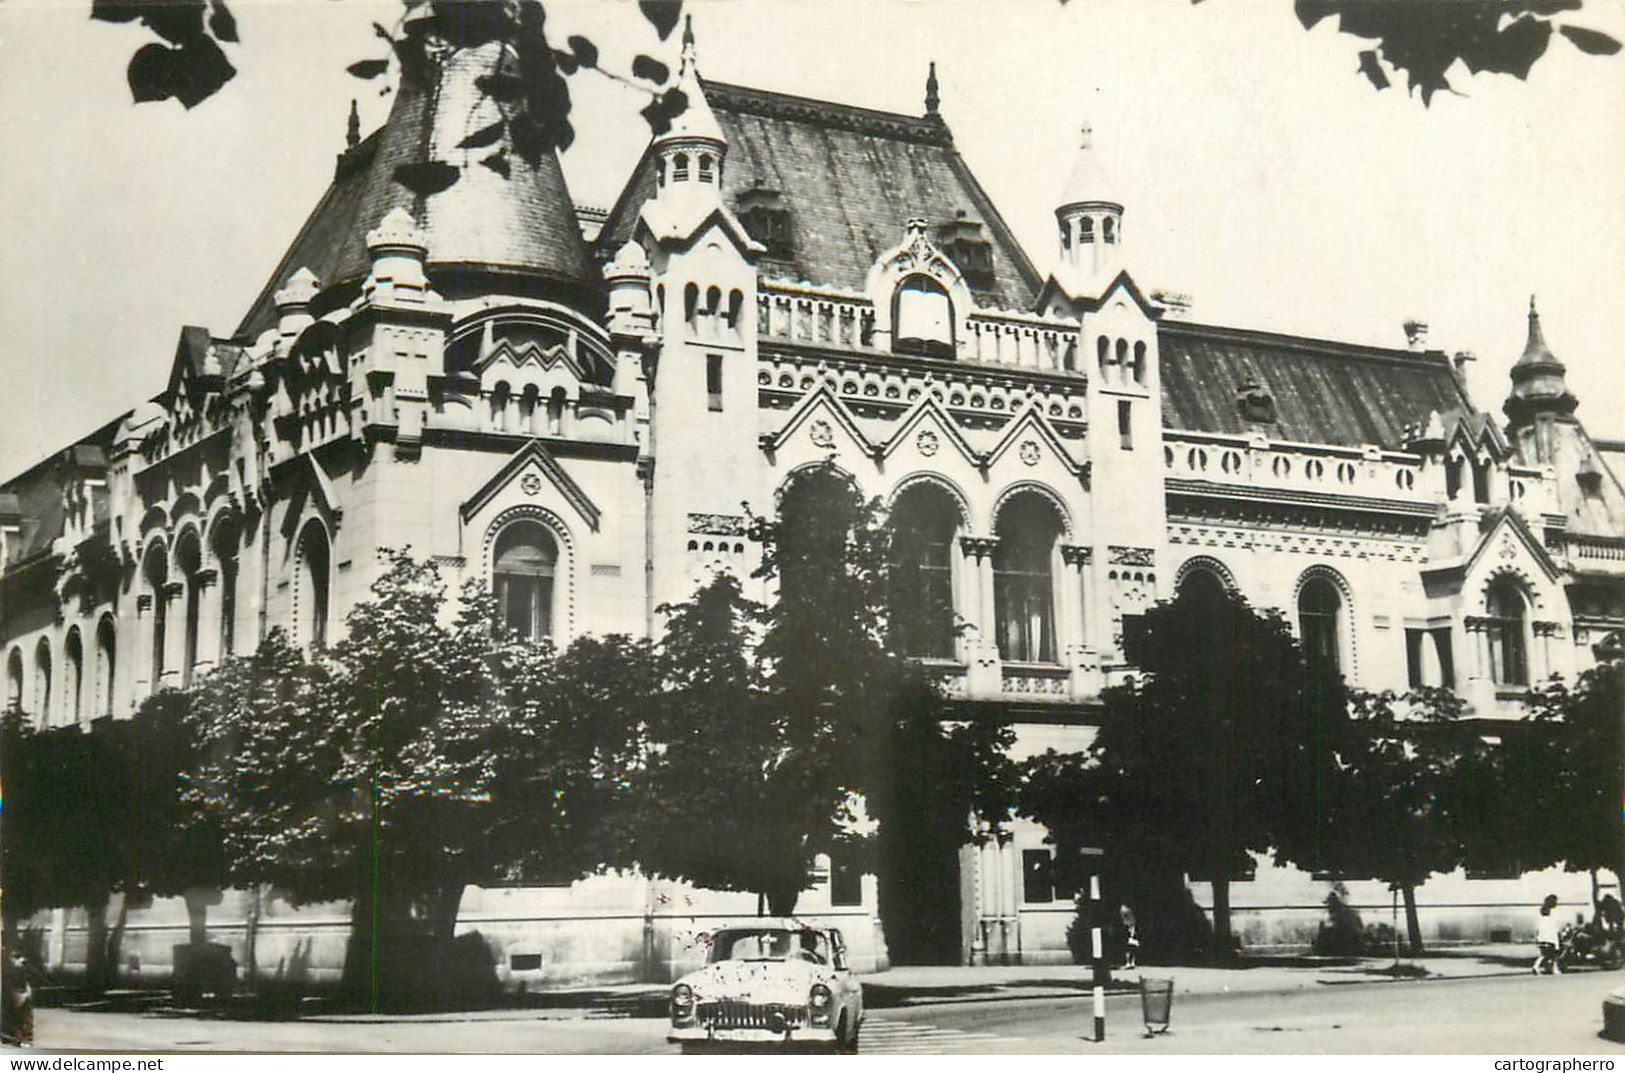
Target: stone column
(981, 644)
(1078, 654)
(174, 634)
(208, 620)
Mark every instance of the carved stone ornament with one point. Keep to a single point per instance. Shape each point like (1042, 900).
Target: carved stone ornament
(530, 484)
(1117, 555)
(978, 547)
(1076, 554)
(1028, 451)
(927, 442)
(821, 434)
(717, 524)
(1508, 549)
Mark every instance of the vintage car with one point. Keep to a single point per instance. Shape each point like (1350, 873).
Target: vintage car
(769, 982)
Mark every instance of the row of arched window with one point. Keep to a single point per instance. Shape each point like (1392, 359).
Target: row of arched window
(707, 314)
(1119, 362)
(1086, 230)
(86, 693)
(532, 416)
(685, 167)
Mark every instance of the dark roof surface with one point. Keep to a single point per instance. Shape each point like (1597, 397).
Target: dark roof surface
(1323, 392)
(38, 490)
(524, 223)
(851, 179)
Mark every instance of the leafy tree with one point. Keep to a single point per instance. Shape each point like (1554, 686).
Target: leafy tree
(1221, 747)
(1411, 776)
(421, 754)
(1571, 782)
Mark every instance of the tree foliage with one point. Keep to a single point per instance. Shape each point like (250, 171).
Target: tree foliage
(1571, 782)
(1222, 747)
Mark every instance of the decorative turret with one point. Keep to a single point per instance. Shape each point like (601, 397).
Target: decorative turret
(293, 302)
(397, 247)
(692, 152)
(1538, 385)
(627, 277)
(1090, 214)
(932, 98)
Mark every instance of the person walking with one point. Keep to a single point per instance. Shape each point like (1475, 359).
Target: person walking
(1131, 937)
(1546, 940)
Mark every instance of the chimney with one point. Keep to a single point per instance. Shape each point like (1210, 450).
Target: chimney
(1416, 334)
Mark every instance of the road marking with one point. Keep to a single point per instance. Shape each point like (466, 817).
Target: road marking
(882, 1036)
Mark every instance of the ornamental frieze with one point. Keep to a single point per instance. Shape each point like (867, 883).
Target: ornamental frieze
(717, 524)
(1119, 555)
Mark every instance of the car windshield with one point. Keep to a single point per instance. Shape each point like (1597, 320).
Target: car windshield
(770, 944)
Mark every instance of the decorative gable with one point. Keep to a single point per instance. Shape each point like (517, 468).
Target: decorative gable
(530, 467)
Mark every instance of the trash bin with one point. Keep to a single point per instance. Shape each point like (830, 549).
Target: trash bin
(1156, 1003)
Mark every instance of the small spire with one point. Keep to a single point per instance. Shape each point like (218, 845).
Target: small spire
(352, 133)
(931, 97)
(1535, 349)
(688, 40)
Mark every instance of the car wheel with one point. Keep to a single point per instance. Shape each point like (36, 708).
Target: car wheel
(847, 1041)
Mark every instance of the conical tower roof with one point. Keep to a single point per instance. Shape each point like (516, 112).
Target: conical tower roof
(1538, 382)
(1089, 181)
(513, 233)
(696, 122)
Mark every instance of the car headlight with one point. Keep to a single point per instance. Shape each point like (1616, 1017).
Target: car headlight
(682, 1004)
(818, 1004)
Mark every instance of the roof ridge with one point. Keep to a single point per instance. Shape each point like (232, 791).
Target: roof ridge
(1308, 342)
(931, 130)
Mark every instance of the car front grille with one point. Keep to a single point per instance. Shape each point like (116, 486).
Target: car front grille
(774, 1016)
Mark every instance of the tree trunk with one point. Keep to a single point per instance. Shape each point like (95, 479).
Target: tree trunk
(1596, 896)
(359, 981)
(1223, 947)
(782, 902)
(1413, 923)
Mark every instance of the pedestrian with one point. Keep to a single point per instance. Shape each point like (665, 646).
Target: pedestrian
(1546, 939)
(1131, 937)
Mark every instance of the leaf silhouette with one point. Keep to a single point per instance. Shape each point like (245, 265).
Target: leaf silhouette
(368, 68)
(221, 21)
(500, 86)
(650, 69)
(1372, 69)
(1590, 41)
(425, 178)
(498, 162)
(483, 137)
(151, 73)
(586, 53)
(662, 15)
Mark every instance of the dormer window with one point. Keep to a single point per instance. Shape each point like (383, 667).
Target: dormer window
(965, 245)
(767, 220)
(923, 318)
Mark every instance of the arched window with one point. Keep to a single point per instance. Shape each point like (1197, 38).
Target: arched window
(314, 585)
(1504, 607)
(523, 568)
(225, 537)
(527, 409)
(189, 559)
(106, 663)
(705, 167)
(1320, 605)
(1086, 229)
(14, 680)
(679, 168)
(156, 570)
(73, 674)
(1066, 236)
(42, 682)
(1024, 579)
(924, 520)
(555, 412)
(1108, 230)
(1481, 482)
(923, 318)
(691, 303)
(1139, 362)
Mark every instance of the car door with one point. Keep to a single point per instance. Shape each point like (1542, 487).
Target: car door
(850, 991)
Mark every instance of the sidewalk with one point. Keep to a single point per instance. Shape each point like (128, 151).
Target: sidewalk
(920, 985)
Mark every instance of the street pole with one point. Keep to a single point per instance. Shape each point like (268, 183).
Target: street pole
(1095, 939)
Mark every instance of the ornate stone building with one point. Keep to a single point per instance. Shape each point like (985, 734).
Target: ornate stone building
(575, 409)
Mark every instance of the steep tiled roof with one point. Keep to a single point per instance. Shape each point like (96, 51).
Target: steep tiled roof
(851, 178)
(523, 224)
(37, 492)
(1323, 392)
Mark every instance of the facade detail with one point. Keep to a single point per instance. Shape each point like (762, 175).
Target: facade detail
(589, 426)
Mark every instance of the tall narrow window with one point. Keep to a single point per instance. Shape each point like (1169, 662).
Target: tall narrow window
(225, 553)
(1108, 229)
(924, 520)
(1037, 877)
(679, 169)
(1086, 230)
(14, 680)
(157, 573)
(189, 558)
(845, 882)
(713, 381)
(1504, 607)
(1427, 658)
(106, 664)
(1023, 579)
(1125, 424)
(315, 585)
(73, 675)
(42, 682)
(1319, 607)
(1481, 482)
(526, 559)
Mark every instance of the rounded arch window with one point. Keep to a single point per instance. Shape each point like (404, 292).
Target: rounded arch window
(1506, 611)
(679, 167)
(924, 520)
(1108, 229)
(1202, 585)
(14, 680)
(923, 317)
(315, 583)
(106, 664)
(42, 682)
(523, 566)
(1320, 609)
(223, 541)
(1029, 531)
(73, 674)
(155, 570)
(189, 559)
(1086, 229)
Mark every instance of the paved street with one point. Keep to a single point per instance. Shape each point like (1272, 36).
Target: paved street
(1505, 1014)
